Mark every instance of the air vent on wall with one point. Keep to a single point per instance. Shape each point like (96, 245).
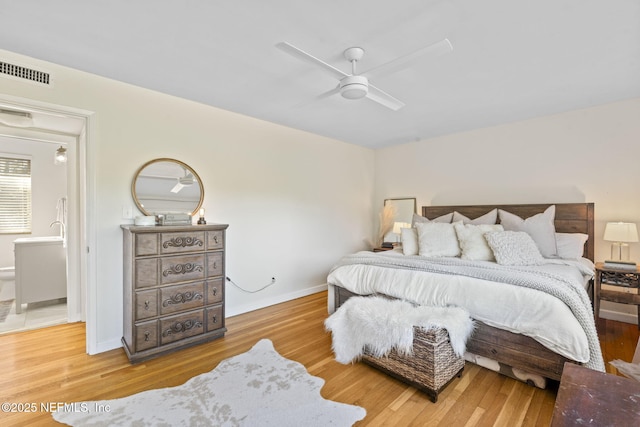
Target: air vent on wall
(25, 73)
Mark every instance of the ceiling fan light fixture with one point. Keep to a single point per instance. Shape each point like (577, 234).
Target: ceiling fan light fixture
(354, 87)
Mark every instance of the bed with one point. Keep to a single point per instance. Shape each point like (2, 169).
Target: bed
(397, 275)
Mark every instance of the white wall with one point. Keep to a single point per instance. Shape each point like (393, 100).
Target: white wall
(48, 184)
(588, 155)
(294, 202)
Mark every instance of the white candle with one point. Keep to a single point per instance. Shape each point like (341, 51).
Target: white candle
(202, 213)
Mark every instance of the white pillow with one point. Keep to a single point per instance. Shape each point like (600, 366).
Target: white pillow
(473, 245)
(513, 248)
(409, 238)
(444, 218)
(436, 239)
(571, 245)
(490, 217)
(540, 227)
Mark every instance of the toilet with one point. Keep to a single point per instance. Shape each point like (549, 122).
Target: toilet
(7, 273)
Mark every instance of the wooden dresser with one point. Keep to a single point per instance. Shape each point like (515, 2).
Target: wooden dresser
(173, 287)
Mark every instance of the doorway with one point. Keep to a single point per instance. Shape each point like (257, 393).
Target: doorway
(33, 242)
(60, 124)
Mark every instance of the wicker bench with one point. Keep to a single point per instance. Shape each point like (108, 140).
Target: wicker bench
(431, 367)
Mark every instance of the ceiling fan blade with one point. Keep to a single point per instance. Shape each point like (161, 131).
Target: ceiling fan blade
(176, 188)
(304, 56)
(319, 97)
(328, 93)
(383, 98)
(436, 49)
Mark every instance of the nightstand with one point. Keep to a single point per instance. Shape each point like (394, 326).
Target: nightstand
(622, 278)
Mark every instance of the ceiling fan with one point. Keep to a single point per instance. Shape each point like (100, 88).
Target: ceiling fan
(356, 86)
(185, 181)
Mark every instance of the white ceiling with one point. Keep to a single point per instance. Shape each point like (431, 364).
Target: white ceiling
(512, 59)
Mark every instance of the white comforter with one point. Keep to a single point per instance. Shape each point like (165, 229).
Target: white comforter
(522, 310)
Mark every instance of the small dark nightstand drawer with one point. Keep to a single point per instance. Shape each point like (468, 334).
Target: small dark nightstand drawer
(628, 280)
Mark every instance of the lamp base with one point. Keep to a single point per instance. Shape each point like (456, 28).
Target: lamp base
(620, 251)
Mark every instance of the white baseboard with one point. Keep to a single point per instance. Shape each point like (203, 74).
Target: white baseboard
(618, 316)
(106, 346)
(236, 310)
(116, 343)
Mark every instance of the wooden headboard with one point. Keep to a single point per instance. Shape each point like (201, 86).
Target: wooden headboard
(570, 217)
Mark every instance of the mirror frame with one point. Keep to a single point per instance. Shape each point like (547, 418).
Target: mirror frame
(415, 204)
(390, 236)
(158, 160)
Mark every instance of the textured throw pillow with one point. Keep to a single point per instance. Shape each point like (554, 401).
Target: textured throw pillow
(571, 245)
(490, 217)
(444, 219)
(513, 248)
(436, 239)
(409, 238)
(540, 227)
(473, 245)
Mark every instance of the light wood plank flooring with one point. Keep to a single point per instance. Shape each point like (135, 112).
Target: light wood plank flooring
(50, 365)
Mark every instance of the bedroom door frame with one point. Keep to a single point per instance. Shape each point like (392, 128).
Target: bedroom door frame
(81, 260)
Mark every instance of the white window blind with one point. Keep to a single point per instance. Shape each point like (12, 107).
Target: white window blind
(15, 195)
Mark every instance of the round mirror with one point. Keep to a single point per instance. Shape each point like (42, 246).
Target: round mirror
(167, 186)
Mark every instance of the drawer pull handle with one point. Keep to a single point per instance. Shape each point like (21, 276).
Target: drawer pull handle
(214, 319)
(215, 265)
(181, 298)
(146, 335)
(146, 305)
(179, 327)
(188, 267)
(214, 291)
(215, 238)
(182, 242)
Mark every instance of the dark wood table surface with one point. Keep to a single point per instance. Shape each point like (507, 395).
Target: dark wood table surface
(590, 398)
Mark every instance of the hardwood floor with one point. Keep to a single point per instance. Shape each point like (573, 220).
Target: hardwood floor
(45, 366)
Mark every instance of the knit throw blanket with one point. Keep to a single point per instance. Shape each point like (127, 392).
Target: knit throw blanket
(568, 291)
(381, 324)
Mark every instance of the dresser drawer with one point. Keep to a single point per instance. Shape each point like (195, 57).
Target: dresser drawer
(146, 272)
(215, 318)
(181, 326)
(173, 243)
(215, 264)
(146, 244)
(215, 240)
(215, 291)
(146, 335)
(181, 297)
(182, 268)
(146, 304)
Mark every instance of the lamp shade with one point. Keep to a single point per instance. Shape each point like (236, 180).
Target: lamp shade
(621, 232)
(398, 226)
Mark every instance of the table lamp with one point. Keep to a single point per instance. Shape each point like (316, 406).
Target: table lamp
(620, 233)
(397, 229)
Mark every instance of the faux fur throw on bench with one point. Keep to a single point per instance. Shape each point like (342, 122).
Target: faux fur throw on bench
(382, 324)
